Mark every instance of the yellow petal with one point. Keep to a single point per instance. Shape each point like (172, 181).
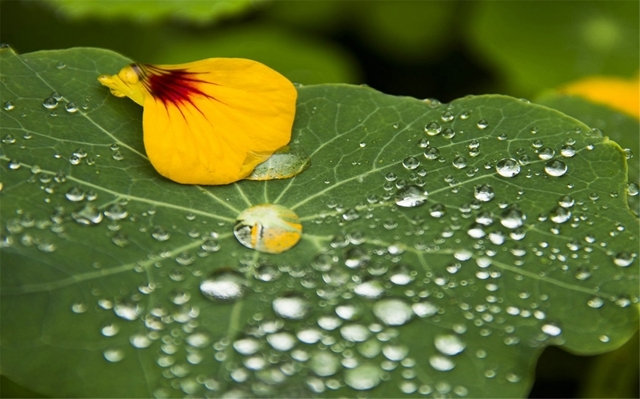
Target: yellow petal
(210, 121)
(620, 94)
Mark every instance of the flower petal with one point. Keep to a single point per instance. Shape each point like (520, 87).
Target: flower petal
(210, 121)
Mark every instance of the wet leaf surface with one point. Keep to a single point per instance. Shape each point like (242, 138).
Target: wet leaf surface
(443, 247)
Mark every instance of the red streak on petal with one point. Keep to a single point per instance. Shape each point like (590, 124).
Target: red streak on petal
(171, 86)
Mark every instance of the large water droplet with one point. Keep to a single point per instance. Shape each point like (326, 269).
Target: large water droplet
(623, 259)
(508, 167)
(281, 341)
(50, 103)
(268, 228)
(560, 215)
(411, 196)
(224, 285)
(449, 344)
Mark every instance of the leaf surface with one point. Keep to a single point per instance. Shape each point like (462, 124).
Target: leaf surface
(390, 291)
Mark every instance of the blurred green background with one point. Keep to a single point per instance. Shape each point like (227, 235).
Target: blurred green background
(424, 49)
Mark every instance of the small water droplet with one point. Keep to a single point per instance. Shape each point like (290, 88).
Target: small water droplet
(560, 215)
(71, 107)
(115, 212)
(431, 153)
(8, 106)
(546, 153)
(459, 162)
(483, 192)
(279, 228)
(117, 155)
(567, 151)
(512, 218)
(61, 65)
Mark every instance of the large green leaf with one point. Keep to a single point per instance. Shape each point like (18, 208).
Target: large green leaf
(102, 259)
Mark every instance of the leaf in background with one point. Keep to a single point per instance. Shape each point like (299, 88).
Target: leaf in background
(443, 247)
(195, 11)
(538, 45)
(409, 31)
(300, 58)
(618, 126)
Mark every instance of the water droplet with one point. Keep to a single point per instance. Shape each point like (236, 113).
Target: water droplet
(355, 332)
(441, 363)
(424, 309)
(88, 215)
(582, 274)
(449, 344)
(393, 312)
(113, 355)
(351, 214)
(512, 218)
(291, 307)
(50, 103)
(632, 189)
(324, 363)
(431, 153)
(115, 212)
(246, 346)
(433, 128)
(551, 329)
(140, 341)
(560, 215)
(268, 228)
(567, 151)
(483, 192)
(371, 289)
(75, 194)
(411, 163)
(365, 376)
(595, 302)
(546, 153)
(309, 335)
(459, 162)
(623, 259)
(411, 196)
(117, 155)
(508, 167)
(224, 285)
(110, 330)
(126, 310)
(8, 106)
(79, 307)
(555, 168)
(160, 234)
(71, 107)
(482, 124)
(281, 341)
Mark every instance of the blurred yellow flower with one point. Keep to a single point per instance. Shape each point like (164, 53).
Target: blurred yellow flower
(211, 121)
(618, 93)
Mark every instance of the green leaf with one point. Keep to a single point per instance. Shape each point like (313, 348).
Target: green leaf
(195, 11)
(102, 259)
(620, 127)
(538, 45)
